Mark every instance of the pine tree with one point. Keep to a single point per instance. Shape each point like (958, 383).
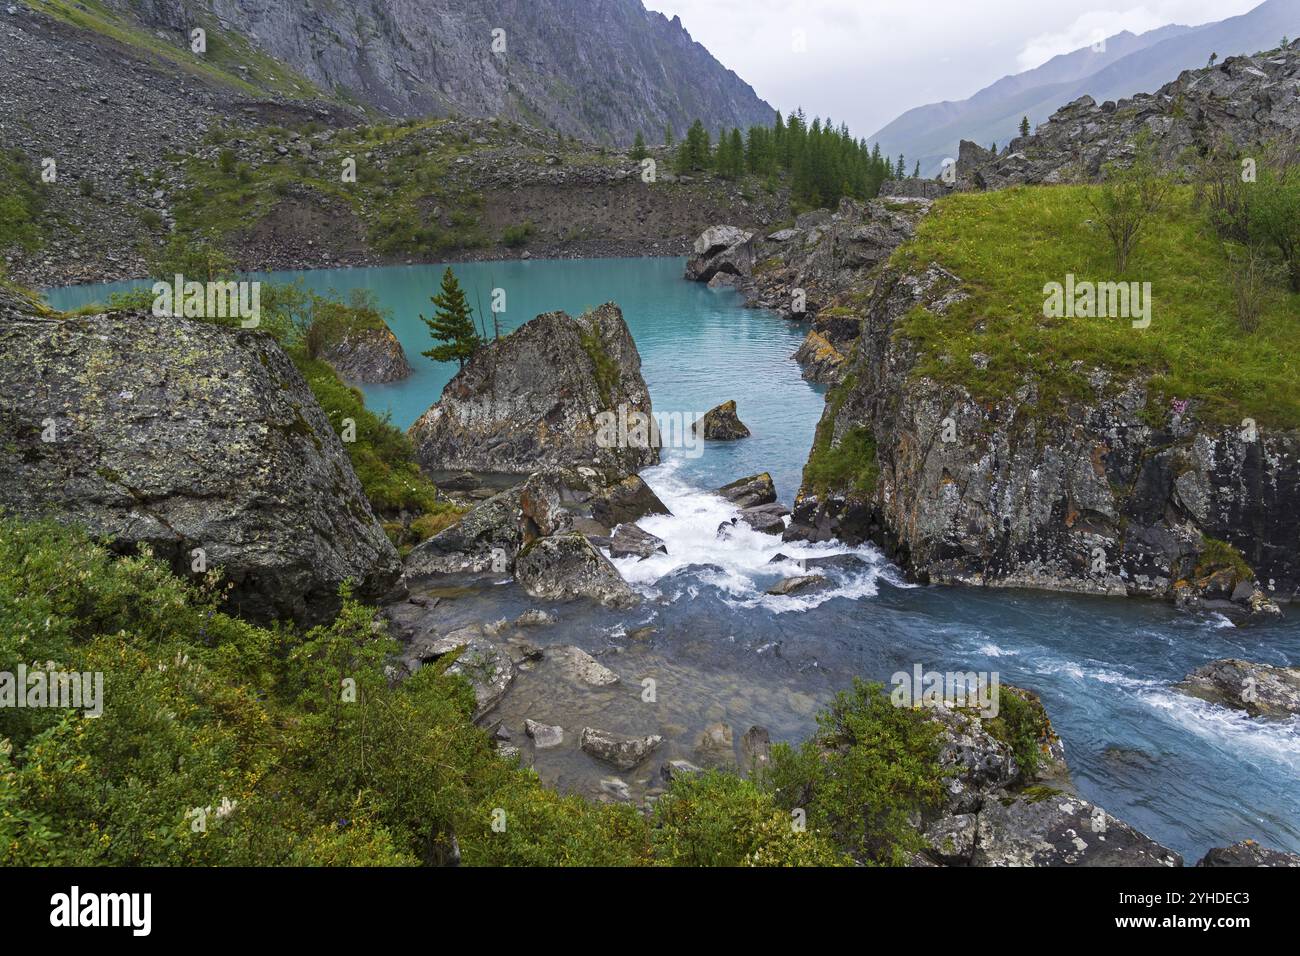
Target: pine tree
(916, 170)
(452, 324)
(1024, 126)
(639, 151)
(900, 168)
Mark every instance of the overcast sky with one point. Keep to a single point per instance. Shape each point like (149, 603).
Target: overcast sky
(866, 61)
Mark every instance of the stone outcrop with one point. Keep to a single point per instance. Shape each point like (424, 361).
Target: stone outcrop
(544, 736)
(1245, 99)
(1096, 498)
(580, 666)
(1261, 690)
(812, 271)
(199, 441)
(1248, 853)
(566, 566)
(998, 812)
(367, 356)
(721, 424)
(534, 399)
(721, 250)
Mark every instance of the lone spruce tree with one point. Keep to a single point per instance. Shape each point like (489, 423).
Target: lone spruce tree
(452, 324)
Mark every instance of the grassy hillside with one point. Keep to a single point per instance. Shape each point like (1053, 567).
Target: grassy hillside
(1006, 245)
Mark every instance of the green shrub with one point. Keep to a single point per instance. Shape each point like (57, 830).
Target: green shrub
(868, 770)
(516, 236)
(201, 709)
(382, 455)
(1021, 724)
(720, 819)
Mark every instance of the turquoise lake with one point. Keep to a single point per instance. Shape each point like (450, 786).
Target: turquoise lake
(1189, 774)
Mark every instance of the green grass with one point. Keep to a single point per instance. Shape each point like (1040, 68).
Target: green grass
(1006, 245)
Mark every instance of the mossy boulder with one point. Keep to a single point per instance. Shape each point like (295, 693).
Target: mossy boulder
(199, 441)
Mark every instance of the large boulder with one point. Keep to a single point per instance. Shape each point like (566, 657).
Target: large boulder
(487, 538)
(367, 356)
(722, 424)
(725, 250)
(750, 492)
(535, 399)
(200, 441)
(631, 541)
(625, 753)
(1261, 690)
(567, 566)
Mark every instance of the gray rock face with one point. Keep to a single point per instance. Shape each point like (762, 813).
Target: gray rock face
(622, 752)
(532, 399)
(1061, 831)
(1261, 690)
(369, 356)
(1032, 502)
(999, 813)
(716, 746)
(567, 566)
(434, 57)
(631, 541)
(185, 435)
(750, 492)
(1248, 853)
(722, 424)
(673, 769)
(624, 502)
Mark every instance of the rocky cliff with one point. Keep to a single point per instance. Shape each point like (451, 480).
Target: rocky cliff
(201, 442)
(599, 69)
(1094, 499)
(556, 392)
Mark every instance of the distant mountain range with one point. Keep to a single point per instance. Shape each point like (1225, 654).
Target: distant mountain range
(603, 70)
(1126, 64)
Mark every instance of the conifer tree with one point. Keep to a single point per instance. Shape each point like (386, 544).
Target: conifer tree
(639, 151)
(452, 324)
(1024, 126)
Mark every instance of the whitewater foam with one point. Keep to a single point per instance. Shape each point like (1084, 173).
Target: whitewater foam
(739, 563)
